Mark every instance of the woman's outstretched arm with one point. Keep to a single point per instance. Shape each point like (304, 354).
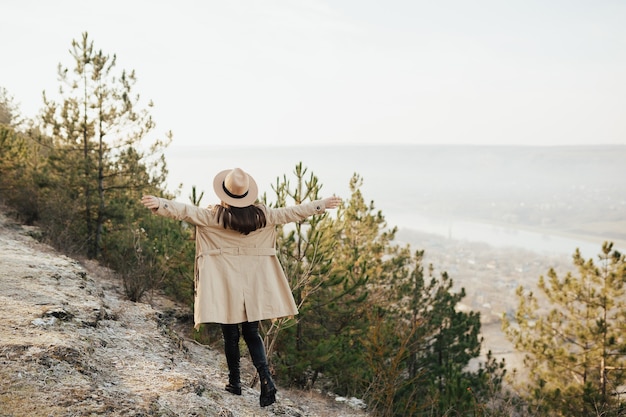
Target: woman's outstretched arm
(299, 212)
(179, 211)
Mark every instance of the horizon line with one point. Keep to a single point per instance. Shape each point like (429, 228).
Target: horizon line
(396, 144)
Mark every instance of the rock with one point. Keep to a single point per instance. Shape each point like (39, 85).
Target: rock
(352, 402)
(45, 322)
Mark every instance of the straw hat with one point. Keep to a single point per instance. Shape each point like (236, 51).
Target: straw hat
(235, 188)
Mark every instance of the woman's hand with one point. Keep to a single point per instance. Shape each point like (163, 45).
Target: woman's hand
(332, 202)
(150, 202)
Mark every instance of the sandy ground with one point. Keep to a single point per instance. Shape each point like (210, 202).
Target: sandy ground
(71, 345)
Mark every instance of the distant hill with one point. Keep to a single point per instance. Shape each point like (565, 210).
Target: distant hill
(575, 190)
(565, 189)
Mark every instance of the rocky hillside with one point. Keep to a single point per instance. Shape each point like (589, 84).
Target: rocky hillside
(71, 345)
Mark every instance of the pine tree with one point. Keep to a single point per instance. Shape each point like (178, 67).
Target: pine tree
(9, 112)
(12, 161)
(305, 250)
(97, 132)
(572, 335)
(363, 260)
(12, 146)
(435, 344)
(20, 160)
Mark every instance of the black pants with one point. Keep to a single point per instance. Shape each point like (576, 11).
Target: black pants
(250, 332)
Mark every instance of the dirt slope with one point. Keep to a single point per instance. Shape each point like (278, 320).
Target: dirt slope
(71, 345)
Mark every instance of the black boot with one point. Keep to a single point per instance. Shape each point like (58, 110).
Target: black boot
(234, 388)
(251, 335)
(234, 382)
(268, 389)
(231, 350)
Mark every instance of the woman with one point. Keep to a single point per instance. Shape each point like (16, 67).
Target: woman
(238, 278)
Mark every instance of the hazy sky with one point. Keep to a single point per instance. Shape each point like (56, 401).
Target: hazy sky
(343, 71)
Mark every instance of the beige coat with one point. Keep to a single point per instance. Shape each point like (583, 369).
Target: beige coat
(238, 277)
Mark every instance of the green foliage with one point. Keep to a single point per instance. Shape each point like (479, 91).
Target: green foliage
(573, 338)
(22, 159)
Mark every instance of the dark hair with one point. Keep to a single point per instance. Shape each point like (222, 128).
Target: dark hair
(241, 219)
